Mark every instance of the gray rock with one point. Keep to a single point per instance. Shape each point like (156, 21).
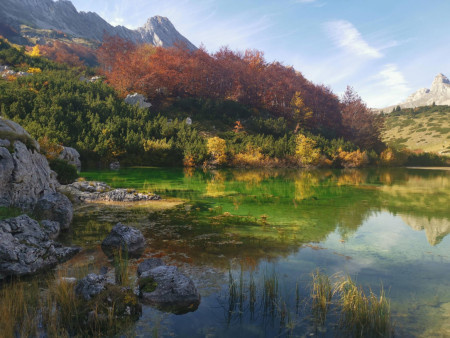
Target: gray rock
(137, 99)
(71, 156)
(90, 286)
(174, 291)
(129, 239)
(99, 191)
(25, 175)
(148, 265)
(51, 228)
(55, 207)
(25, 248)
(114, 165)
(5, 143)
(127, 195)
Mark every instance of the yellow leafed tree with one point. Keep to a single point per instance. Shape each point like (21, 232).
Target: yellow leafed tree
(306, 150)
(217, 148)
(301, 113)
(35, 52)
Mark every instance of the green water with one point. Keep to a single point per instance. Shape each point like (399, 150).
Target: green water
(384, 227)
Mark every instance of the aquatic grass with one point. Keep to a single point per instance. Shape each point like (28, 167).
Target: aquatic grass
(121, 267)
(19, 309)
(270, 293)
(363, 315)
(321, 294)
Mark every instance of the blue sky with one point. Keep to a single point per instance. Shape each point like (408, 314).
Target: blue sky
(384, 49)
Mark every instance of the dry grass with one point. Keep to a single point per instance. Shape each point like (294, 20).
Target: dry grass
(426, 131)
(363, 315)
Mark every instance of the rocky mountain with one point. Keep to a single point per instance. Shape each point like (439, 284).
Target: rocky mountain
(439, 94)
(62, 16)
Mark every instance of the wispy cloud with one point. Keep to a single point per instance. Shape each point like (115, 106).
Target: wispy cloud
(387, 87)
(391, 77)
(346, 36)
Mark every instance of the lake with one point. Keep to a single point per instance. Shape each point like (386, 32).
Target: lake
(233, 231)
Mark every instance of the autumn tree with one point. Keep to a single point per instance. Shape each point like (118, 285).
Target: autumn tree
(360, 124)
(307, 150)
(35, 52)
(300, 112)
(217, 148)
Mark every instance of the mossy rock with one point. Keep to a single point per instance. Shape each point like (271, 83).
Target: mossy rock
(147, 284)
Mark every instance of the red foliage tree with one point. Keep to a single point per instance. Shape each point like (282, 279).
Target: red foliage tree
(360, 124)
(243, 77)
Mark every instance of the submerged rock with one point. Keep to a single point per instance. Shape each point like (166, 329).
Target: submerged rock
(55, 207)
(90, 286)
(99, 191)
(125, 238)
(25, 248)
(169, 290)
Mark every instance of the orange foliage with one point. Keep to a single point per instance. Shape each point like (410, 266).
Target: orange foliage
(238, 127)
(72, 54)
(354, 159)
(50, 149)
(189, 161)
(243, 77)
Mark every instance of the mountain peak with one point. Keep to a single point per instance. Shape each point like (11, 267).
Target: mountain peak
(62, 15)
(439, 94)
(439, 80)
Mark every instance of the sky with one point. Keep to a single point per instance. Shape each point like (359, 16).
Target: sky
(384, 49)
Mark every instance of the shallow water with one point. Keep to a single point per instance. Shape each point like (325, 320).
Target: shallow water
(386, 227)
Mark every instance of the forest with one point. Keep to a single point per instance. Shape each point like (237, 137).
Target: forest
(245, 110)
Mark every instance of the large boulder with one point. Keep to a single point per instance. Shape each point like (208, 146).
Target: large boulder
(25, 175)
(25, 248)
(125, 238)
(71, 156)
(55, 207)
(51, 228)
(169, 290)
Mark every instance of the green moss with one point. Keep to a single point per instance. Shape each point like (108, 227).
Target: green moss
(147, 284)
(7, 212)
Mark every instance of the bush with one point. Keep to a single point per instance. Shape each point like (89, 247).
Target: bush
(392, 157)
(354, 159)
(427, 159)
(66, 172)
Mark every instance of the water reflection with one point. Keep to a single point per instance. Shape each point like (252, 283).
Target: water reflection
(435, 228)
(377, 224)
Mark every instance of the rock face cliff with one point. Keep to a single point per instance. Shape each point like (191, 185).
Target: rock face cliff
(439, 94)
(62, 16)
(25, 175)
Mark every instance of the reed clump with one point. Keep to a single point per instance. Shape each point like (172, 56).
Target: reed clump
(361, 314)
(321, 294)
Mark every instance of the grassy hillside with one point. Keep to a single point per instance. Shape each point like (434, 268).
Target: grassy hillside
(424, 128)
